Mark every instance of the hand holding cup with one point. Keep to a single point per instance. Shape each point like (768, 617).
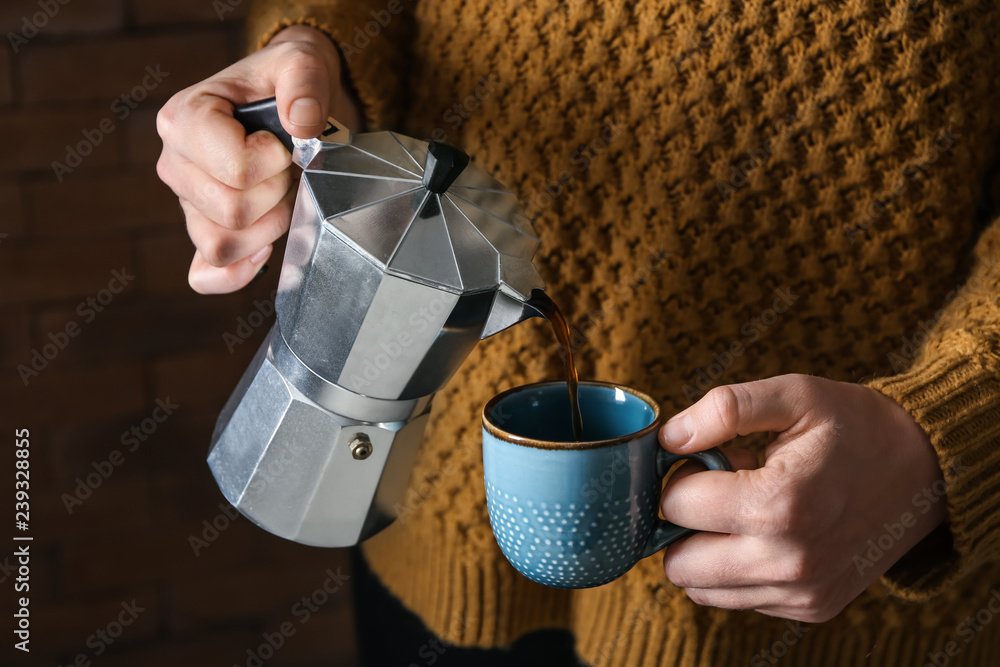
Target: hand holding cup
(578, 514)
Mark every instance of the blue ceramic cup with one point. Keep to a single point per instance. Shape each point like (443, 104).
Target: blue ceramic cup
(578, 514)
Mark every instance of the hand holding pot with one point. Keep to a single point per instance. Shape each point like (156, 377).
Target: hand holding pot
(237, 191)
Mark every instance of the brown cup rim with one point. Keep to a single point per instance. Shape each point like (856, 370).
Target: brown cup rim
(535, 443)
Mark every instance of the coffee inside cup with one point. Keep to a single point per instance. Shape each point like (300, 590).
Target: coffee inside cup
(543, 414)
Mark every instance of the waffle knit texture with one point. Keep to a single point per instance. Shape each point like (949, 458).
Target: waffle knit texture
(690, 166)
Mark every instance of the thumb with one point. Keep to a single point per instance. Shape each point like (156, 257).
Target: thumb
(302, 96)
(300, 71)
(731, 410)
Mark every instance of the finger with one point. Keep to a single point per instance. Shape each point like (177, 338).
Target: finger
(712, 560)
(220, 246)
(749, 597)
(738, 458)
(798, 613)
(301, 86)
(768, 600)
(725, 412)
(229, 207)
(207, 279)
(200, 128)
(712, 505)
(198, 122)
(718, 501)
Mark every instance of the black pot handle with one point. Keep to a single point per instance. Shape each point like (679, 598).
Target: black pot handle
(263, 115)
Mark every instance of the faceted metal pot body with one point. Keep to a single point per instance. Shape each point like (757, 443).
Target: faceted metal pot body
(400, 258)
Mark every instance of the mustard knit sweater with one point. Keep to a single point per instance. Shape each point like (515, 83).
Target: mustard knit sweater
(688, 165)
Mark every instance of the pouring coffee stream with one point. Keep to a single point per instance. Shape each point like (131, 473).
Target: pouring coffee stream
(548, 309)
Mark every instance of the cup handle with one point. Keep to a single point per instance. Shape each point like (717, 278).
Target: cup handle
(664, 532)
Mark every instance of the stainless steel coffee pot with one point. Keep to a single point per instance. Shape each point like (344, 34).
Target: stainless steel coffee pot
(401, 256)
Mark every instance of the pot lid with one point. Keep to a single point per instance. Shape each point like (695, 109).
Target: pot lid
(422, 212)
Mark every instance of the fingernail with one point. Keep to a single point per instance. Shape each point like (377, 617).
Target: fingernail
(260, 255)
(677, 431)
(305, 112)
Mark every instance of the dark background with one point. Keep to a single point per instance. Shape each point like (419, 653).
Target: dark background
(156, 339)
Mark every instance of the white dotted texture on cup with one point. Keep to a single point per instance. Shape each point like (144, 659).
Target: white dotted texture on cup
(570, 545)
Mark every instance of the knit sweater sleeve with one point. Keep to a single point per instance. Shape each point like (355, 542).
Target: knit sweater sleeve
(373, 38)
(952, 388)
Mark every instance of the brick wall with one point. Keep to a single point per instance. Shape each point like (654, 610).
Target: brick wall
(63, 235)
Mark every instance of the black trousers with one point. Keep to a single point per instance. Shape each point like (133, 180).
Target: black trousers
(389, 635)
